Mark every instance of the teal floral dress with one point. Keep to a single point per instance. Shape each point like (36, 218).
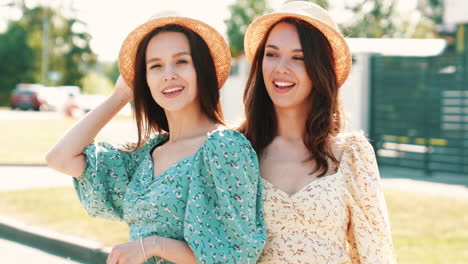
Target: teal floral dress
(212, 199)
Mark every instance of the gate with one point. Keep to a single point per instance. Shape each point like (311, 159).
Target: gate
(419, 113)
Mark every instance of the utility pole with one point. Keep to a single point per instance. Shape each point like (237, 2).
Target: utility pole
(45, 46)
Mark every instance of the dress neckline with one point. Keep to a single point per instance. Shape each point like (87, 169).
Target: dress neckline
(315, 181)
(164, 139)
(305, 187)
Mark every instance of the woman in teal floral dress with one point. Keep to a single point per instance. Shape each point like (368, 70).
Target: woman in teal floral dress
(189, 189)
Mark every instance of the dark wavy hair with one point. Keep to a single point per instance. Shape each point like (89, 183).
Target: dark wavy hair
(325, 115)
(150, 116)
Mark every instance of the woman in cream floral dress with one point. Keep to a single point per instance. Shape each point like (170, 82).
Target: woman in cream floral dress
(322, 197)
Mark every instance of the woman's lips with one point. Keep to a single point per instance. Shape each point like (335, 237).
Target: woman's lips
(282, 86)
(173, 91)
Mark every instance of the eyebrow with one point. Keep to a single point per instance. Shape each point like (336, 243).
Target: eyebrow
(175, 55)
(276, 48)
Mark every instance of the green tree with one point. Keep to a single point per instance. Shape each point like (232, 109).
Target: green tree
(97, 83)
(380, 18)
(67, 48)
(243, 12)
(111, 70)
(432, 9)
(80, 58)
(372, 19)
(17, 60)
(432, 14)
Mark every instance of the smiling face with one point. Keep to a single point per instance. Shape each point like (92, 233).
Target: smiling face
(284, 71)
(170, 72)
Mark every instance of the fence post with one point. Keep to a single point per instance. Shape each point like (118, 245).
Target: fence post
(462, 80)
(426, 71)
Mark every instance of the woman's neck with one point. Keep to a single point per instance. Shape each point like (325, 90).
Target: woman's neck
(291, 123)
(188, 123)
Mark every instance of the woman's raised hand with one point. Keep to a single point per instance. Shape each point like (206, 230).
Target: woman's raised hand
(122, 90)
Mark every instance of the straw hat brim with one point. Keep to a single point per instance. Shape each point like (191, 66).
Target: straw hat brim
(342, 55)
(219, 48)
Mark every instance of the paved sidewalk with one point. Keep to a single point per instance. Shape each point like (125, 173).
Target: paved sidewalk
(439, 184)
(16, 253)
(77, 249)
(432, 188)
(27, 177)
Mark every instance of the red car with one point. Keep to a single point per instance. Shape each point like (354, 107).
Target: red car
(27, 97)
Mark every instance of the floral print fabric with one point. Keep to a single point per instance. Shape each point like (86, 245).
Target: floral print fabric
(211, 199)
(339, 218)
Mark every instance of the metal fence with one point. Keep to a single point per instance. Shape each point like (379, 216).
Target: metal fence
(419, 113)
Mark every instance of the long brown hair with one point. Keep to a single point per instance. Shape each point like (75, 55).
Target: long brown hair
(325, 116)
(149, 115)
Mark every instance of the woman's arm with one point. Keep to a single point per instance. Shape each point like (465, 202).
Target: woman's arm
(67, 154)
(153, 246)
(369, 234)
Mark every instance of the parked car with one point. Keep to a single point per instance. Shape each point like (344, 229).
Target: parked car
(39, 97)
(26, 96)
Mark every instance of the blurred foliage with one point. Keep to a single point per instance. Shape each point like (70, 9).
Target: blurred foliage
(17, 60)
(66, 44)
(97, 83)
(432, 14)
(322, 3)
(77, 56)
(111, 70)
(433, 10)
(43, 30)
(372, 19)
(381, 18)
(243, 12)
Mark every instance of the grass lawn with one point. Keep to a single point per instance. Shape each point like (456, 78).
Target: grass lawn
(27, 141)
(426, 229)
(58, 209)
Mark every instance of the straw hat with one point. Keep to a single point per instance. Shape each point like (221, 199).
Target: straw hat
(312, 14)
(219, 48)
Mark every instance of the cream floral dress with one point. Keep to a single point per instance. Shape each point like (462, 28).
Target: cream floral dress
(339, 218)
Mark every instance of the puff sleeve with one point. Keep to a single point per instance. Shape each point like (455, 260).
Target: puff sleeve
(369, 237)
(102, 186)
(224, 216)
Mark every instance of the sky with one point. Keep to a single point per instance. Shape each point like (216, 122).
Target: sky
(109, 22)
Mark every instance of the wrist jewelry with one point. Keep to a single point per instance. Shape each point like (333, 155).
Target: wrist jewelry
(143, 249)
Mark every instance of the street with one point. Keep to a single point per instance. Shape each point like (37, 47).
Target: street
(14, 253)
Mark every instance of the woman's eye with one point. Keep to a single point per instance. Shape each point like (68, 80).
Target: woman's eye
(269, 54)
(298, 58)
(182, 62)
(154, 66)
